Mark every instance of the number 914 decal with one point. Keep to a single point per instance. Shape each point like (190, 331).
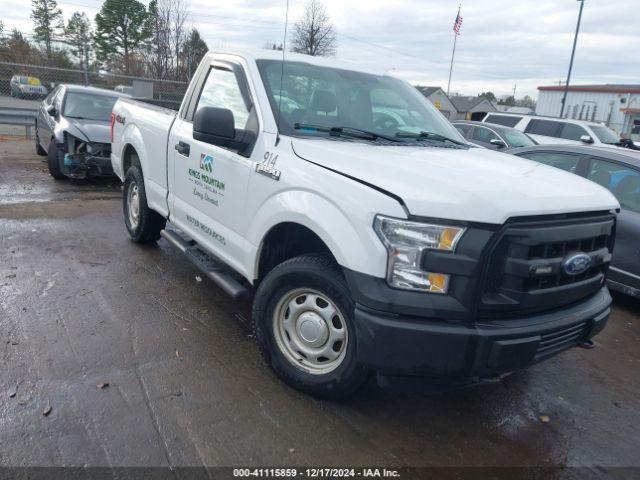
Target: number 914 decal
(268, 166)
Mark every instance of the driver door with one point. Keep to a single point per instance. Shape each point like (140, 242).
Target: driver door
(210, 182)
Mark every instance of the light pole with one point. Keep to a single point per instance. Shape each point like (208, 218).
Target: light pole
(573, 53)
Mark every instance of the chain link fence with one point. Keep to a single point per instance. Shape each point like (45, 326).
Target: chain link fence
(21, 82)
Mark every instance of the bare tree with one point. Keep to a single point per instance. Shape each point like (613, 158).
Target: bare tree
(313, 33)
(178, 31)
(167, 24)
(159, 60)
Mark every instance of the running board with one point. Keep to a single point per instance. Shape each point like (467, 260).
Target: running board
(215, 270)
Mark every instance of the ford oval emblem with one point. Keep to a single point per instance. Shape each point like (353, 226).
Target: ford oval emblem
(576, 264)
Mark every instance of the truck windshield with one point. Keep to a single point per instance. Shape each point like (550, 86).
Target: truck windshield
(329, 97)
(86, 106)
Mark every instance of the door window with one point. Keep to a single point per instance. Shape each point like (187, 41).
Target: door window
(571, 131)
(563, 161)
(221, 90)
(622, 181)
(484, 135)
(506, 120)
(547, 128)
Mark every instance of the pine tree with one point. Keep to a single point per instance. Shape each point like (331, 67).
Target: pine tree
(79, 35)
(47, 20)
(121, 30)
(192, 51)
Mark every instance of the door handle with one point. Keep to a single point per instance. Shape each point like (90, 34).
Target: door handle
(183, 148)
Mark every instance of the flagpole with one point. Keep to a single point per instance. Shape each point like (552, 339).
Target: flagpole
(455, 38)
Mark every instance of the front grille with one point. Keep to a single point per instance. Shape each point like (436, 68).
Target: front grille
(561, 339)
(526, 266)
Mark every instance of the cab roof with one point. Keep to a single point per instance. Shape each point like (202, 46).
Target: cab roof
(264, 54)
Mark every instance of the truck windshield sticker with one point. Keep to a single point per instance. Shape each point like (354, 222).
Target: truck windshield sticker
(268, 166)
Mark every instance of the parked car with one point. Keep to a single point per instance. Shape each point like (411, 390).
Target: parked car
(618, 171)
(72, 130)
(494, 137)
(23, 86)
(549, 130)
(369, 247)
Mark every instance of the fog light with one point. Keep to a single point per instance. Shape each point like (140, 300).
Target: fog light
(438, 282)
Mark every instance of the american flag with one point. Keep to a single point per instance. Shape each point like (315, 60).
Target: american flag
(458, 23)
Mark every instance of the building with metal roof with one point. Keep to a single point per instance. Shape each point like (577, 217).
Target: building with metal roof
(616, 105)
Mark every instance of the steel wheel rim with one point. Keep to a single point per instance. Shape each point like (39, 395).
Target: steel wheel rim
(133, 204)
(310, 331)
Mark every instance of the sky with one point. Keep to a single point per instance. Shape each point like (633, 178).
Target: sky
(504, 44)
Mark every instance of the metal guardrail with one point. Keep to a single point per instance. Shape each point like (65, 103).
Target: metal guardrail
(25, 117)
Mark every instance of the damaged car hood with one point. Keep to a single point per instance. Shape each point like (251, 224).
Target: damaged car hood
(94, 131)
(474, 185)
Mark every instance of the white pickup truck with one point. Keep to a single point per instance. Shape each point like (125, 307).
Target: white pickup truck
(370, 236)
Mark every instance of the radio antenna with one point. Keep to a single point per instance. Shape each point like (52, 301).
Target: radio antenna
(284, 49)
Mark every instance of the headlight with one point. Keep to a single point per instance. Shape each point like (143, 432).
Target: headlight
(405, 242)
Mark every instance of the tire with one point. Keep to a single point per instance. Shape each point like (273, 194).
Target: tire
(308, 279)
(143, 224)
(53, 162)
(39, 150)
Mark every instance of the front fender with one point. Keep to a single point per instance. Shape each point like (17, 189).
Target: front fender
(354, 247)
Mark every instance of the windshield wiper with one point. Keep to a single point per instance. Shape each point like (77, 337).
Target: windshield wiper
(428, 136)
(346, 132)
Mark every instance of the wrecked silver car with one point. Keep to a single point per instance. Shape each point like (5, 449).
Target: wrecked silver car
(73, 131)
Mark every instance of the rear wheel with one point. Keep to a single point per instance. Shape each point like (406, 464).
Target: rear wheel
(53, 162)
(303, 321)
(143, 224)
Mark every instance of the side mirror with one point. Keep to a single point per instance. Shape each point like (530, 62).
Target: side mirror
(586, 139)
(214, 122)
(498, 143)
(216, 126)
(51, 110)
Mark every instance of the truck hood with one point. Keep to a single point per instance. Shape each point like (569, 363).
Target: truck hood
(93, 130)
(474, 185)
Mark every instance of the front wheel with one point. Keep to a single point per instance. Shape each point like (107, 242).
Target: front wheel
(143, 224)
(303, 321)
(53, 162)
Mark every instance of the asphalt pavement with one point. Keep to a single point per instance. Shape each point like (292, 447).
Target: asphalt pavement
(115, 354)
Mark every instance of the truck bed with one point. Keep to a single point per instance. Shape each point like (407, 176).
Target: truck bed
(145, 128)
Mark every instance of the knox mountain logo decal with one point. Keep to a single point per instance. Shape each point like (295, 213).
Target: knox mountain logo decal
(206, 162)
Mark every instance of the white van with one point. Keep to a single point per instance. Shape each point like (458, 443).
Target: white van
(550, 130)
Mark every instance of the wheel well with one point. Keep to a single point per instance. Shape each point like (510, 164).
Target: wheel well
(129, 158)
(288, 240)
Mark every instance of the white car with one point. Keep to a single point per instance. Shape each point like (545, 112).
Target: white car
(549, 130)
(23, 86)
(366, 247)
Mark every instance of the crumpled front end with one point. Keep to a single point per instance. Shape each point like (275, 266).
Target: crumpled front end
(82, 158)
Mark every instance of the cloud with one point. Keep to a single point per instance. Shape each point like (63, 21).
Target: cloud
(503, 42)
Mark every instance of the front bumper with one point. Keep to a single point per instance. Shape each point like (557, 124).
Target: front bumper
(80, 165)
(406, 345)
